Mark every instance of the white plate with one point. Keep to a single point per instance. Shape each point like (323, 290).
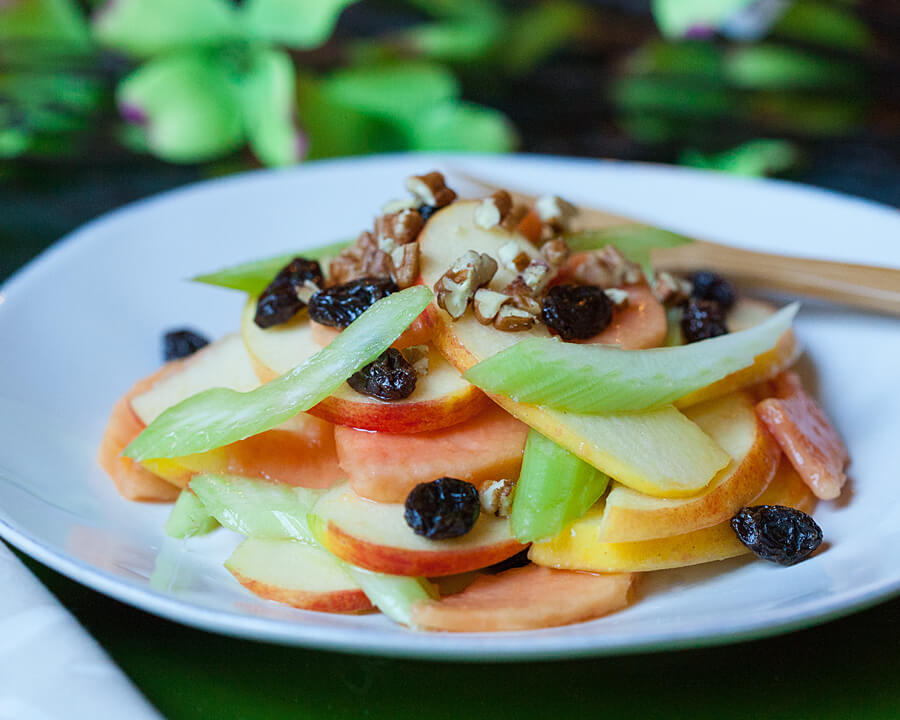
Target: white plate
(81, 323)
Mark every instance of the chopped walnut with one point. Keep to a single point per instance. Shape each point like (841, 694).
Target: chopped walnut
(488, 303)
(417, 356)
(533, 280)
(555, 252)
(671, 290)
(490, 212)
(515, 216)
(362, 259)
(431, 189)
(513, 319)
(512, 256)
(618, 297)
(307, 290)
(405, 265)
(395, 206)
(398, 228)
(555, 212)
(456, 287)
(497, 497)
(607, 268)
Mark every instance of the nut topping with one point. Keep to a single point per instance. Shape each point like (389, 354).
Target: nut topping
(555, 252)
(395, 206)
(431, 189)
(398, 228)
(363, 259)
(497, 496)
(555, 212)
(417, 356)
(405, 262)
(490, 212)
(617, 296)
(671, 290)
(487, 305)
(513, 319)
(456, 288)
(513, 257)
(607, 268)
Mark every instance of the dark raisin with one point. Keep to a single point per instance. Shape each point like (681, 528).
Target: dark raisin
(426, 211)
(388, 377)
(710, 286)
(442, 509)
(777, 533)
(179, 344)
(576, 312)
(280, 301)
(340, 305)
(520, 559)
(701, 320)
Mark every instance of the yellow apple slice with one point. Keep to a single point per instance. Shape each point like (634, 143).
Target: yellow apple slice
(442, 397)
(375, 536)
(745, 314)
(577, 547)
(296, 574)
(731, 421)
(660, 452)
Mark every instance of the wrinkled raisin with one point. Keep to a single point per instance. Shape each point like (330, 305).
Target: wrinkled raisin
(576, 312)
(179, 344)
(710, 286)
(702, 319)
(426, 211)
(442, 509)
(280, 301)
(777, 533)
(340, 305)
(388, 377)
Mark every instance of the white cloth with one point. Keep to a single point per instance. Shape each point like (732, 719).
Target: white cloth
(50, 668)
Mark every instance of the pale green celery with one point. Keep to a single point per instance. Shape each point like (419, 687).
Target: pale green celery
(189, 517)
(674, 334)
(555, 487)
(635, 242)
(602, 379)
(252, 277)
(394, 595)
(218, 417)
(256, 508)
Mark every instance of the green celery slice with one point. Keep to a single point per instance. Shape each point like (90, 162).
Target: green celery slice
(220, 416)
(601, 379)
(252, 277)
(394, 595)
(256, 508)
(555, 487)
(635, 242)
(189, 517)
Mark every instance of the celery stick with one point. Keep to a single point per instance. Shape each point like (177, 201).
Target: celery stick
(189, 517)
(394, 595)
(635, 242)
(220, 416)
(555, 487)
(604, 380)
(253, 276)
(257, 508)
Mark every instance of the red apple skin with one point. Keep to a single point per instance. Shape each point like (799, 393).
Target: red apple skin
(414, 563)
(338, 601)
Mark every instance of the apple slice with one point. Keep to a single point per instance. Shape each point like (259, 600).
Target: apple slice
(132, 481)
(375, 536)
(526, 598)
(442, 397)
(577, 547)
(731, 421)
(639, 325)
(659, 452)
(296, 574)
(384, 467)
(418, 333)
(745, 314)
(299, 452)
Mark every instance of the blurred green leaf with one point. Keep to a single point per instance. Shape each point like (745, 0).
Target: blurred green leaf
(189, 106)
(57, 20)
(148, 27)
(453, 41)
(809, 114)
(753, 158)
(648, 94)
(394, 92)
(538, 31)
(824, 24)
(676, 18)
(479, 11)
(699, 59)
(463, 127)
(268, 104)
(296, 23)
(13, 141)
(774, 67)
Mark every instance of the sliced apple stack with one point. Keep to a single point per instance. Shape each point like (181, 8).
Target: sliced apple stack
(375, 536)
(442, 397)
(659, 453)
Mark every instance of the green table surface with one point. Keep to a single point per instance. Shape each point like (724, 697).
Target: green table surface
(848, 668)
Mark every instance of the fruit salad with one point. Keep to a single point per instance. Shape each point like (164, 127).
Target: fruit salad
(480, 416)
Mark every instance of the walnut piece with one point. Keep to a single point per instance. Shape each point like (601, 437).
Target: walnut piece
(555, 212)
(608, 268)
(307, 290)
(512, 256)
(487, 304)
(533, 280)
(555, 251)
(489, 213)
(457, 287)
(497, 497)
(362, 259)
(431, 189)
(399, 228)
(513, 319)
(417, 356)
(405, 262)
(618, 297)
(395, 206)
(671, 290)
